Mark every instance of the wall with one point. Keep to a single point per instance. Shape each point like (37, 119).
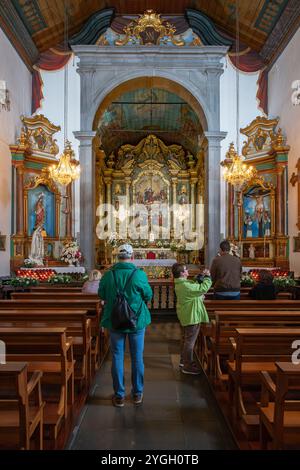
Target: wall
(285, 70)
(18, 80)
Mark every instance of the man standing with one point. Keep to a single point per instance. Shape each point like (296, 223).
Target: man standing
(226, 273)
(125, 277)
(191, 312)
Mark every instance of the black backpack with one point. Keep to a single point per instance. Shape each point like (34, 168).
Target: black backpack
(122, 315)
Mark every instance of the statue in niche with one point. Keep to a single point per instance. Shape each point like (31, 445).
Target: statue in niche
(183, 195)
(266, 224)
(252, 251)
(37, 242)
(259, 211)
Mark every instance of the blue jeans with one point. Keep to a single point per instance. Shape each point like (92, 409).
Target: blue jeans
(136, 346)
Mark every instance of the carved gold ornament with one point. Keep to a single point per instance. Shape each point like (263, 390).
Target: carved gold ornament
(150, 29)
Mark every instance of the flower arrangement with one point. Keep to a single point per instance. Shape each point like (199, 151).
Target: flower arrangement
(113, 239)
(60, 279)
(234, 250)
(28, 263)
(23, 281)
(71, 253)
(283, 282)
(247, 280)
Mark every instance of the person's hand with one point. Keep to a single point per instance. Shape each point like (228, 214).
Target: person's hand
(206, 272)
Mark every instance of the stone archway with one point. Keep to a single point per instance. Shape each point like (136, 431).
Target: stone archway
(194, 71)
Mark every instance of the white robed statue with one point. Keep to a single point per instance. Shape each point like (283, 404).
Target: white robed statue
(37, 243)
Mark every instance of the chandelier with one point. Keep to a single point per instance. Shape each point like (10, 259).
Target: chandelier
(236, 172)
(67, 169)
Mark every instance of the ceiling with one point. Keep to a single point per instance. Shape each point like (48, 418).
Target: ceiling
(143, 111)
(43, 20)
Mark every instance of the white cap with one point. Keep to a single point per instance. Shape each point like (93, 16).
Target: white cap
(125, 250)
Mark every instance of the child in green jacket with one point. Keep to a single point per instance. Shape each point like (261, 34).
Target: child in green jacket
(191, 312)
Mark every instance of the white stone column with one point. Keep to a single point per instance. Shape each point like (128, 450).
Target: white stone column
(212, 192)
(87, 197)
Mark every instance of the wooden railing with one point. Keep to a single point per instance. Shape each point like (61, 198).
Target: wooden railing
(164, 299)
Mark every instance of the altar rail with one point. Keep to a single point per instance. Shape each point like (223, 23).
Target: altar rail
(164, 299)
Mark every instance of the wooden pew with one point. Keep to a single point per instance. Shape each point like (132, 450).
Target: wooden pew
(44, 288)
(77, 325)
(50, 351)
(280, 416)
(21, 406)
(254, 350)
(69, 301)
(225, 323)
(249, 304)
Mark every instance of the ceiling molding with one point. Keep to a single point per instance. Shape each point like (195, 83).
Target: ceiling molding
(282, 33)
(17, 33)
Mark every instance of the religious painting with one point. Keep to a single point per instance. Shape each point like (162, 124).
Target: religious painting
(151, 189)
(259, 250)
(257, 213)
(41, 210)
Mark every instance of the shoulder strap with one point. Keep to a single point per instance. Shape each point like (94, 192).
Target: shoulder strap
(127, 282)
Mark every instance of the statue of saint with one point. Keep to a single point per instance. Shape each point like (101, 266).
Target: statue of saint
(252, 251)
(39, 211)
(37, 247)
(37, 242)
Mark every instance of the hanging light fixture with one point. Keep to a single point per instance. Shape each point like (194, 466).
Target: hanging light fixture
(236, 171)
(68, 168)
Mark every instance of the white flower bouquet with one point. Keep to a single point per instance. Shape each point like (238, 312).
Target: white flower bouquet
(71, 253)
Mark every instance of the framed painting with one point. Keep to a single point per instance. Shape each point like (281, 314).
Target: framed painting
(2, 242)
(258, 212)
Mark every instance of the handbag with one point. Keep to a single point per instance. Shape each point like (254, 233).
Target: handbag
(122, 316)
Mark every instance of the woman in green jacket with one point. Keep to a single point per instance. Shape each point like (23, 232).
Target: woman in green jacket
(137, 292)
(191, 312)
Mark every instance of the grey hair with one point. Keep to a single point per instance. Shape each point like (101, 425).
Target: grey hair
(124, 256)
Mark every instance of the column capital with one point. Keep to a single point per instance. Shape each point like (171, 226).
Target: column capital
(215, 137)
(85, 137)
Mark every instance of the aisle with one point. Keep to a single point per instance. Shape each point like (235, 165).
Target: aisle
(179, 411)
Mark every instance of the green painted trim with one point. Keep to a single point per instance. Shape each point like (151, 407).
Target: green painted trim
(11, 248)
(17, 157)
(281, 157)
(34, 166)
(269, 15)
(12, 213)
(265, 166)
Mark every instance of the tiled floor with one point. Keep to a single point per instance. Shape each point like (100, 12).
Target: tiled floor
(179, 411)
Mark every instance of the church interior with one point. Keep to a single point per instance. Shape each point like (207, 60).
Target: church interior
(167, 127)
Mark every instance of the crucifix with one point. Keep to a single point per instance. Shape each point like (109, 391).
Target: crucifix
(295, 178)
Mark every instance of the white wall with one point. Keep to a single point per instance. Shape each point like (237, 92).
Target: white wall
(283, 73)
(248, 110)
(18, 79)
(53, 108)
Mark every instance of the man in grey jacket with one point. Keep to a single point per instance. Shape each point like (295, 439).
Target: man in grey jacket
(226, 273)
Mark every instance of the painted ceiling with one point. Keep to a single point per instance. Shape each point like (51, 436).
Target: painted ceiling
(149, 111)
(263, 23)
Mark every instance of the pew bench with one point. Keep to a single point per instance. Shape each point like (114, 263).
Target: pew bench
(77, 325)
(50, 351)
(254, 350)
(279, 412)
(21, 407)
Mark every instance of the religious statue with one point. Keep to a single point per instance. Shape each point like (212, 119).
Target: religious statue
(252, 251)
(37, 247)
(259, 210)
(37, 242)
(39, 211)
(266, 224)
(248, 224)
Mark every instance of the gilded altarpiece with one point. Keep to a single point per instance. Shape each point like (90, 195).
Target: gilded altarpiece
(35, 195)
(150, 174)
(257, 216)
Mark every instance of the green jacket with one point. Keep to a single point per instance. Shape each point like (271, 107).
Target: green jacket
(190, 307)
(138, 293)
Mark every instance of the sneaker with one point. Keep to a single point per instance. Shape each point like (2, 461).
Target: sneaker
(192, 369)
(117, 401)
(181, 364)
(137, 399)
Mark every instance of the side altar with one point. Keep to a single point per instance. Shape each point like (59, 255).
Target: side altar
(37, 200)
(257, 213)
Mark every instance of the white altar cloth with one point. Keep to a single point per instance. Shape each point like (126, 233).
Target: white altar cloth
(60, 269)
(154, 262)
